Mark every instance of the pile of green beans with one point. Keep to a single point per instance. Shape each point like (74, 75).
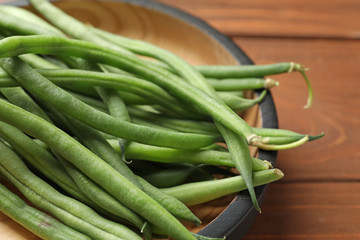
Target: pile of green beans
(115, 146)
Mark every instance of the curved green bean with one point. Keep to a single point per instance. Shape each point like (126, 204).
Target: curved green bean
(178, 209)
(240, 84)
(103, 199)
(41, 160)
(13, 46)
(95, 168)
(200, 192)
(45, 90)
(37, 222)
(138, 151)
(70, 211)
(11, 16)
(245, 71)
(241, 156)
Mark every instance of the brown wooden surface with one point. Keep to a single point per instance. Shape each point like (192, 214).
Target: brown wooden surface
(319, 196)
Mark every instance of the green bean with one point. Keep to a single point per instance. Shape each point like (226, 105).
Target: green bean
(153, 124)
(235, 143)
(41, 160)
(101, 147)
(178, 208)
(241, 155)
(95, 168)
(183, 125)
(11, 16)
(147, 49)
(246, 71)
(45, 90)
(170, 177)
(80, 78)
(196, 193)
(55, 45)
(95, 142)
(21, 99)
(70, 211)
(239, 104)
(37, 222)
(68, 24)
(167, 155)
(36, 61)
(240, 84)
(289, 139)
(282, 136)
(91, 101)
(117, 108)
(270, 135)
(102, 198)
(129, 98)
(267, 146)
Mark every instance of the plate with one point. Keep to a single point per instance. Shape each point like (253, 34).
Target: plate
(198, 43)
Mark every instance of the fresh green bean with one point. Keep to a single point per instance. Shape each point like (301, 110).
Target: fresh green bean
(95, 168)
(240, 154)
(245, 71)
(41, 160)
(20, 98)
(70, 25)
(170, 177)
(36, 61)
(70, 211)
(91, 101)
(117, 108)
(45, 90)
(34, 220)
(241, 157)
(200, 192)
(239, 104)
(177, 208)
(101, 147)
(103, 199)
(54, 45)
(95, 142)
(80, 79)
(138, 151)
(183, 125)
(270, 135)
(11, 16)
(240, 84)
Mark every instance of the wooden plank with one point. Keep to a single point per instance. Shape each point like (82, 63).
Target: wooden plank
(323, 211)
(334, 75)
(318, 18)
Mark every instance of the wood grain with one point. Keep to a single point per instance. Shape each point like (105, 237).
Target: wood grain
(299, 211)
(318, 18)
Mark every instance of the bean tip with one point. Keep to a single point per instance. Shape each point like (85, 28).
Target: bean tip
(279, 173)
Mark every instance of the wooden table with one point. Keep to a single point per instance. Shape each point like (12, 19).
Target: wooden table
(320, 194)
